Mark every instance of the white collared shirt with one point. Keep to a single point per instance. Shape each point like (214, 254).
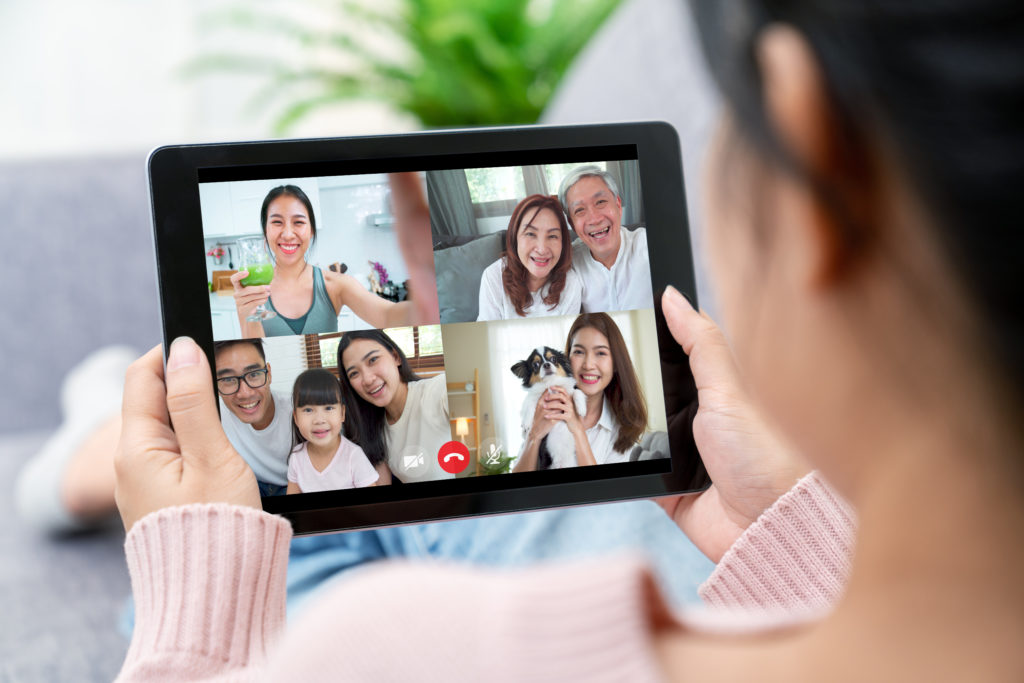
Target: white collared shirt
(602, 438)
(495, 303)
(623, 287)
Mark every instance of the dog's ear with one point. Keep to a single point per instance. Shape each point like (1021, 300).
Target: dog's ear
(521, 370)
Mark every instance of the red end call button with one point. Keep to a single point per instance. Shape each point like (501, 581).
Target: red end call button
(453, 457)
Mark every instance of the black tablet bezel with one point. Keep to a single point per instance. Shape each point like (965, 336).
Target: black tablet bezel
(174, 176)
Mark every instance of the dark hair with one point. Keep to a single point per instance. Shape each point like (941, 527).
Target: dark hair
(625, 397)
(255, 343)
(942, 83)
(288, 191)
(370, 420)
(514, 275)
(313, 387)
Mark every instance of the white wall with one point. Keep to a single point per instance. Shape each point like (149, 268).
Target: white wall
(106, 76)
(286, 358)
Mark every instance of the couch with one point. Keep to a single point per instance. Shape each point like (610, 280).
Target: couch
(83, 277)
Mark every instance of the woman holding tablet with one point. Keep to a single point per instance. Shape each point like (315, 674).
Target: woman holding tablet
(534, 276)
(398, 413)
(305, 298)
(870, 282)
(616, 410)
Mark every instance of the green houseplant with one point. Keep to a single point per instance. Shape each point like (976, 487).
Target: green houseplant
(457, 63)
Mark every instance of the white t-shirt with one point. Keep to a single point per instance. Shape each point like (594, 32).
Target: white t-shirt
(495, 304)
(625, 286)
(266, 450)
(348, 469)
(421, 430)
(602, 438)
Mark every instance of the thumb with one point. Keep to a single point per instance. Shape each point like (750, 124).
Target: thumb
(711, 359)
(192, 405)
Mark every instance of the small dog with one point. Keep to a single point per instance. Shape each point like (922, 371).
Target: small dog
(545, 368)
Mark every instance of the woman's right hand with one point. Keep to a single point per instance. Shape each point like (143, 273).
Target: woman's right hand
(542, 424)
(248, 298)
(748, 463)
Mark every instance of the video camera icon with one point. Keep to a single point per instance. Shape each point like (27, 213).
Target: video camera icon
(412, 462)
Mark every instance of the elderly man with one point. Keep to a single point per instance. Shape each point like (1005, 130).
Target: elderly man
(612, 263)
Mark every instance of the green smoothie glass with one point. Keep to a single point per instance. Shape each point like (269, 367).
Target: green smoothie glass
(256, 260)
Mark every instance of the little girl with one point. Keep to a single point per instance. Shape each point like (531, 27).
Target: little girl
(322, 459)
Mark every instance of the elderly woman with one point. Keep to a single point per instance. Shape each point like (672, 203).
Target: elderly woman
(534, 277)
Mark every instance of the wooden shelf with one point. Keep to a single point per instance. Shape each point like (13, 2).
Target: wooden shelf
(459, 389)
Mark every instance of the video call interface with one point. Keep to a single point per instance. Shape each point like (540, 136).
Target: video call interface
(542, 353)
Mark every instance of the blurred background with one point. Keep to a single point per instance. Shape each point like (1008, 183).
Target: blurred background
(89, 88)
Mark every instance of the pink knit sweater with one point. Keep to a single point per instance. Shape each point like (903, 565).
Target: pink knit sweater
(209, 585)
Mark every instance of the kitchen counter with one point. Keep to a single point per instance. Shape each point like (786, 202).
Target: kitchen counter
(225, 318)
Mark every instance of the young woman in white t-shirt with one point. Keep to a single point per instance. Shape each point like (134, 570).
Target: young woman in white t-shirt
(616, 408)
(534, 276)
(400, 416)
(322, 459)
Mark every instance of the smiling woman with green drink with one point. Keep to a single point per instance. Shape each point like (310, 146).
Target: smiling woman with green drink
(301, 298)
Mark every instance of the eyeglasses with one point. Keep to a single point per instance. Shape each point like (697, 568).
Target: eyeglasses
(254, 379)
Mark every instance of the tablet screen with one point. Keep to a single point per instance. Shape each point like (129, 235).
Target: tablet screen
(542, 364)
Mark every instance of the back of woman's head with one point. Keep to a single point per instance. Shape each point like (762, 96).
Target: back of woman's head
(369, 420)
(940, 87)
(514, 275)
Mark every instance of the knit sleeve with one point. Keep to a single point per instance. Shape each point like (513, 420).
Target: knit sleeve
(795, 557)
(209, 588)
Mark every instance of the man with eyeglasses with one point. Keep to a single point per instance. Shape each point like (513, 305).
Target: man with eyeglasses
(258, 422)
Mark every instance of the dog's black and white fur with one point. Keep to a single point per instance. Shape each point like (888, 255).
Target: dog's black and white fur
(545, 368)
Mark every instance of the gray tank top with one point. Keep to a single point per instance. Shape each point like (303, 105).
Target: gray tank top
(321, 316)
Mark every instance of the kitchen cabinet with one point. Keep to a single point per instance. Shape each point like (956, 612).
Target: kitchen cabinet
(225, 325)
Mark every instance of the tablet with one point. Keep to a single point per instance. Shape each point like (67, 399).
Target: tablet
(544, 375)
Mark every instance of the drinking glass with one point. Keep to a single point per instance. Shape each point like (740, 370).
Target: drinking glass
(256, 260)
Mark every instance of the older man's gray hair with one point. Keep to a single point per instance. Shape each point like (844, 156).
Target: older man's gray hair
(580, 172)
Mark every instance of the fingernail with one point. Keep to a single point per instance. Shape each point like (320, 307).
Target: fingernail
(677, 298)
(184, 353)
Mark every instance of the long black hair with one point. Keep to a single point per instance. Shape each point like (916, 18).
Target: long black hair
(371, 420)
(316, 387)
(943, 84)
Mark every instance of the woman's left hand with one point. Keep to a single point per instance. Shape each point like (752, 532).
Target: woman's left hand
(159, 466)
(558, 405)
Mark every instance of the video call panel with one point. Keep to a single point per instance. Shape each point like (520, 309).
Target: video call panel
(545, 309)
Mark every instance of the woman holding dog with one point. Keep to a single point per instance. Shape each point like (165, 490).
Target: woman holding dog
(616, 410)
(534, 276)
(306, 298)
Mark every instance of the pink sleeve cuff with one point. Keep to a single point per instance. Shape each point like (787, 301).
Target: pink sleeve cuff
(209, 588)
(795, 557)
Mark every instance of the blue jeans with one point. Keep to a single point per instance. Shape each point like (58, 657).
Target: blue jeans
(268, 489)
(504, 540)
(510, 540)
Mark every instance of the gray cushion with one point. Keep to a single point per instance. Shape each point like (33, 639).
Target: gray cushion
(653, 445)
(458, 276)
